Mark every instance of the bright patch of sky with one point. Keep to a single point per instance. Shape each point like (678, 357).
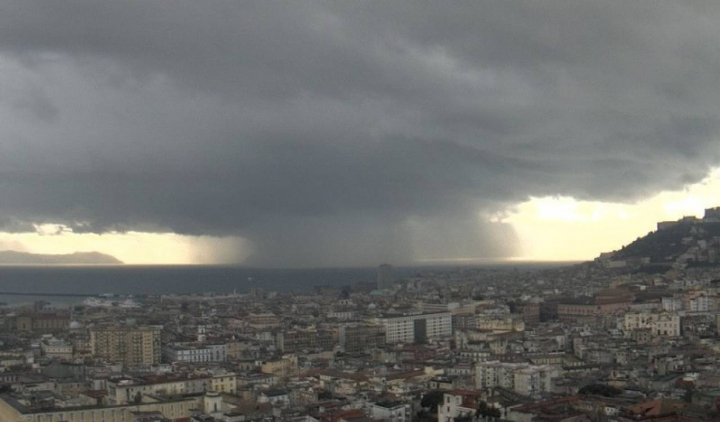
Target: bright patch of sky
(562, 228)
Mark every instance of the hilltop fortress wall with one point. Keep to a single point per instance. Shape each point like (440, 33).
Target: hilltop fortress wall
(712, 215)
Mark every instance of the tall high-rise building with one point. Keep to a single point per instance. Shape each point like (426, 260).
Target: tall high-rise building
(132, 346)
(385, 277)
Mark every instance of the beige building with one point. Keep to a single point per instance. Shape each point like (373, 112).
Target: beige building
(225, 383)
(125, 390)
(667, 325)
(20, 409)
(283, 367)
(260, 321)
(500, 323)
(132, 346)
(42, 322)
(56, 348)
(660, 324)
(638, 321)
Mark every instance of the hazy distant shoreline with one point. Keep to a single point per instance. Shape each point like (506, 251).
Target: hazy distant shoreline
(191, 279)
(10, 257)
(429, 265)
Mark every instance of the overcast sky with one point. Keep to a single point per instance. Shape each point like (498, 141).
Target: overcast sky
(334, 133)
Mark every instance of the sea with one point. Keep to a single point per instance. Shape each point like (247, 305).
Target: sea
(58, 284)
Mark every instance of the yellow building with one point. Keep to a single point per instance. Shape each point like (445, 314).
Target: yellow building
(42, 323)
(225, 383)
(283, 367)
(132, 346)
(500, 323)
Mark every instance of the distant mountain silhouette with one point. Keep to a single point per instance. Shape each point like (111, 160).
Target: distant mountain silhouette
(25, 258)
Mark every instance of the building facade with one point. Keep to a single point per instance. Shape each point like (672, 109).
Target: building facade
(293, 341)
(131, 346)
(194, 353)
(355, 338)
(417, 328)
(12, 409)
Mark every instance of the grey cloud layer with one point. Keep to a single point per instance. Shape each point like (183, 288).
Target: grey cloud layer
(348, 132)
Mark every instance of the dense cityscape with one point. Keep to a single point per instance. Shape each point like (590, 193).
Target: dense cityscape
(359, 211)
(622, 338)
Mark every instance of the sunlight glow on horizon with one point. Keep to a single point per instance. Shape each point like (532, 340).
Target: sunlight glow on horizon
(139, 248)
(548, 228)
(563, 228)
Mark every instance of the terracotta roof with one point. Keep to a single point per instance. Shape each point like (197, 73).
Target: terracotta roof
(464, 393)
(405, 375)
(657, 407)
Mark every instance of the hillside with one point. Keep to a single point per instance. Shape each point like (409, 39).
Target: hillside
(689, 243)
(84, 258)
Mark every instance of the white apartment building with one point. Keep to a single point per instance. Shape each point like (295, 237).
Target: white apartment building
(525, 379)
(458, 404)
(496, 374)
(672, 304)
(417, 328)
(702, 304)
(535, 380)
(193, 352)
(391, 412)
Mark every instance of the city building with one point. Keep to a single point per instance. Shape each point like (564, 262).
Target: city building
(500, 322)
(18, 408)
(359, 337)
(42, 323)
(56, 348)
(458, 404)
(193, 352)
(666, 325)
(417, 328)
(702, 303)
(523, 378)
(132, 346)
(266, 320)
(672, 303)
(391, 411)
(663, 324)
(299, 340)
(284, 366)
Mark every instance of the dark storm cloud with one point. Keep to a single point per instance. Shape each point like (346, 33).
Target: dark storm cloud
(9, 225)
(328, 132)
